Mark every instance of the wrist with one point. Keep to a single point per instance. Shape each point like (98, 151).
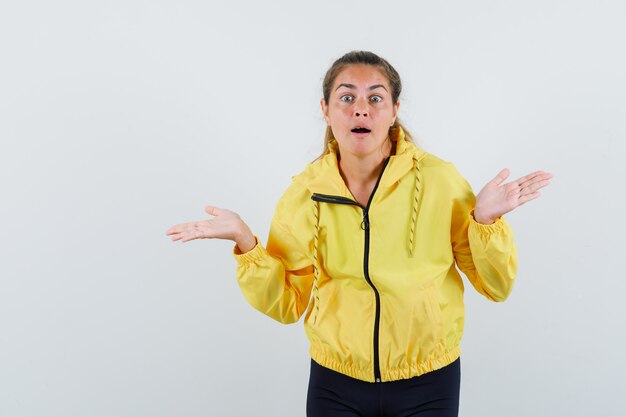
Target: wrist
(244, 238)
(480, 218)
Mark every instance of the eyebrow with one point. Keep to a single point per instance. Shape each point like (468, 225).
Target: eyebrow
(372, 87)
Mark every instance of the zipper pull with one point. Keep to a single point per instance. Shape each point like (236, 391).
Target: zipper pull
(365, 224)
(377, 379)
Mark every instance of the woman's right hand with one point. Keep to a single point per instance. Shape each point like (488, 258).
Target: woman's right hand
(225, 224)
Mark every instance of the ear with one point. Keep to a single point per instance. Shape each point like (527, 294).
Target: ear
(396, 107)
(324, 107)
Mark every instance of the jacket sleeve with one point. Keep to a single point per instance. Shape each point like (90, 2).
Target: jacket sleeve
(276, 280)
(486, 254)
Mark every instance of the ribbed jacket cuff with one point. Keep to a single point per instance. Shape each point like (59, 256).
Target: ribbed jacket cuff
(487, 229)
(253, 255)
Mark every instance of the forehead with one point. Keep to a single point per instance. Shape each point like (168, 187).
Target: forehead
(361, 76)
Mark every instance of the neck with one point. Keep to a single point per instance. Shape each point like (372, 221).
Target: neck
(363, 170)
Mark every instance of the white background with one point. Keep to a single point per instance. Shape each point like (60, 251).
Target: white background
(119, 119)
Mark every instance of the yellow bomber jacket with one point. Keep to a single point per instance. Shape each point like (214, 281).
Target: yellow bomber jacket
(377, 285)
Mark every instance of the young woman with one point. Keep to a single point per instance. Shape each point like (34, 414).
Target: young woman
(364, 244)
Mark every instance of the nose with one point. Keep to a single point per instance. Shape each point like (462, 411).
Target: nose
(360, 109)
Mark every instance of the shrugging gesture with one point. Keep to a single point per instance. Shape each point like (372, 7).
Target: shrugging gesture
(496, 198)
(389, 287)
(225, 224)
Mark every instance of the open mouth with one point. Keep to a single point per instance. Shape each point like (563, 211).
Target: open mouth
(361, 130)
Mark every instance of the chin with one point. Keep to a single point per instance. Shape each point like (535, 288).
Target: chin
(361, 151)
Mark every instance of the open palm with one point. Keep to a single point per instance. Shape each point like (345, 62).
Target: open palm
(225, 224)
(496, 198)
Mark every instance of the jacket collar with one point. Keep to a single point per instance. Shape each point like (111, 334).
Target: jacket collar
(323, 177)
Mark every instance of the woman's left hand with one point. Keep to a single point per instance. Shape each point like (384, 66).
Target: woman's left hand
(496, 199)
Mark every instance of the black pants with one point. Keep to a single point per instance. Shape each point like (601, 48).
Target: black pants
(434, 394)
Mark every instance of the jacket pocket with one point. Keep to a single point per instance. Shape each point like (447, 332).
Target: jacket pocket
(427, 326)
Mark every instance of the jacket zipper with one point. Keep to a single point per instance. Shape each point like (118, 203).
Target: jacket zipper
(365, 225)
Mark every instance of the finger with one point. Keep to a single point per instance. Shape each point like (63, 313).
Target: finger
(213, 211)
(183, 227)
(533, 175)
(174, 229)
(176, 237)
(528, 197)
(187, 235)
(536, 178)
(534, 186)
(502, 175)
(194, 234)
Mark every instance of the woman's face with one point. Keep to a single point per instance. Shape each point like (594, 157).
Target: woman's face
(360, 110)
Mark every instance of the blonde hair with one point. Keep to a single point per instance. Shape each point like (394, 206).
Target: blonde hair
(363, 58)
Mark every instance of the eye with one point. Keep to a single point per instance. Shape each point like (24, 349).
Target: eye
(376, 99)
(347, 98)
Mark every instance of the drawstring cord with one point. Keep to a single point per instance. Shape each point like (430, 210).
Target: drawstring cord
(412, 237)
(316, 268)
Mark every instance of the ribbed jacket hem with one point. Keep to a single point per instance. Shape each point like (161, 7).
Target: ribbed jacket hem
(393, 374)
(421, 368)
